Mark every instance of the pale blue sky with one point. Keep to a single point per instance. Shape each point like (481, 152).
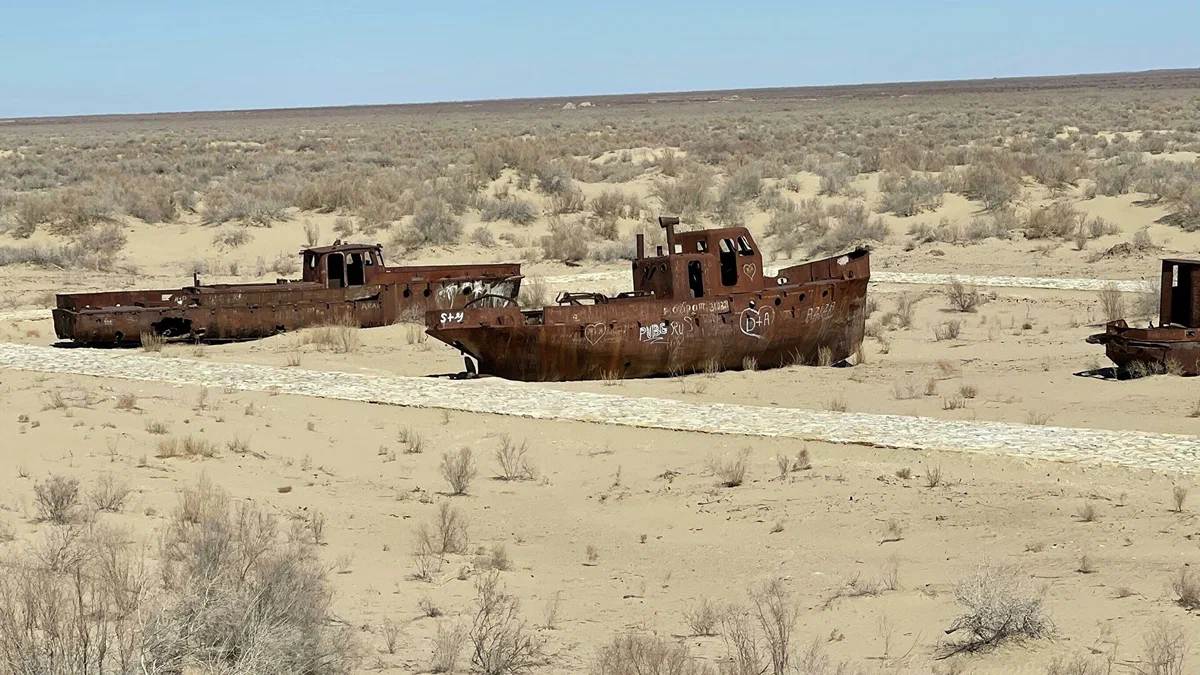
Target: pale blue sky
(76, 57)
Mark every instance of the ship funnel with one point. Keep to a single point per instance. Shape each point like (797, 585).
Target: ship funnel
(668, 223)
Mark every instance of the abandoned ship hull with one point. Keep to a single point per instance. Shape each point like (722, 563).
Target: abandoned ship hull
(1167, 349)
(820, 323)
(253, 311)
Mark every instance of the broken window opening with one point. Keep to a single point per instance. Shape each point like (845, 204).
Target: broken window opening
(744, 246)
(335, 265)
(728, 257)
(354, 270)
(696, 278)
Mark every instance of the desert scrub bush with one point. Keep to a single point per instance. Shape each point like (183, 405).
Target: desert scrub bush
(685, 196)
(567, 241)
(501, 641)
(534, 294)
(1112, 303)
(432, 541)
(703, 618)
(998, 605)
(513, 460)
(232, 237)
(987, 184)
(482, 236)
(448, 643)
(249, 598)
(1186, 587)
(615, 204)
(852, 228)
(339, 338)
(963, 298)
(638, 654)
(908, 195)
(109, 493)
(458, 469)
(1057, 221)
(57, 499)
(731, 472)
(432, 224)
(767, 625)
(516, 211)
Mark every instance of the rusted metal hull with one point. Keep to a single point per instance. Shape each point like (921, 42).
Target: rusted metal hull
(817, 321)
(251, 311)
(1166, 349)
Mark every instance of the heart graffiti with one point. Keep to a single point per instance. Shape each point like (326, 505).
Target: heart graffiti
(750, 269)
(594, 332)
(754, 322)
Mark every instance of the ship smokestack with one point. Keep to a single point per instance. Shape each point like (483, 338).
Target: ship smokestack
(668, 223)
(641, 245)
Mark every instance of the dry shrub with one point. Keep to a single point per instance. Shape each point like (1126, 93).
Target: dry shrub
(638, 654)
(1186, 586)
(758, 638)
(513, 460)
(151, 341)
(534, 294)
(432, 224)
(731, 472)
(501, 641)
(482, 236)
(567, 241)
(685, 196)
(516, 211)
(231, 596)
(250, 598)
(911, 194)
(339, 338)
(1112, 303)
(947, 330)
(1165, 651)
(57, 499)
(1179, 495)
(458, 468)
(998, 605)
(110, 493)
(962, 297)
(1057, 221)
(448, 644)
(703, 617)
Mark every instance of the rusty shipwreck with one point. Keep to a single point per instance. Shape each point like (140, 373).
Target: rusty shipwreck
(341, 284)
(705, 303)
(1172, 346)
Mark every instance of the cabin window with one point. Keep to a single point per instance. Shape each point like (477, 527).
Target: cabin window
(335, 265)
(744, 246)
(354, 270)
(312, 261)
(728, 256)
(678, 248)
(370, 259)
(701, 246)
(696, 278)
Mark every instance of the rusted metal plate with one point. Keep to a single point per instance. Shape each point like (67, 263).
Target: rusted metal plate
(1173, 345)
(341, 284)
(703, 303)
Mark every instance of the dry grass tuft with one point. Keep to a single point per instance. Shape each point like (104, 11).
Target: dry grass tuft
(731, 472)
(513, 460)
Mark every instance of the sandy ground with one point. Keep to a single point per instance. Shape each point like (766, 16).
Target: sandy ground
(662, 543)
(665, 535)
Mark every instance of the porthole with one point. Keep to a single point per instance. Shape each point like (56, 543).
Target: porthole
(778, 302)
(407, 293)
(825, 293)
(425, 292)
(801, 297)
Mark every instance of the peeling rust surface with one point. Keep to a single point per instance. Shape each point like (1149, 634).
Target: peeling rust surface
(703, 303)
(1172, 346)
(341, 284)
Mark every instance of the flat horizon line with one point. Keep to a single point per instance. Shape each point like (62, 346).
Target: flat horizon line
(677, 96)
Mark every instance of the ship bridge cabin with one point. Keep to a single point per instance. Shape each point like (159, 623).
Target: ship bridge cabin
(343, 265)
(699, 264)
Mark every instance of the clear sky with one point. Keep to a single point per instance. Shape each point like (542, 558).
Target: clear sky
(71, 57)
